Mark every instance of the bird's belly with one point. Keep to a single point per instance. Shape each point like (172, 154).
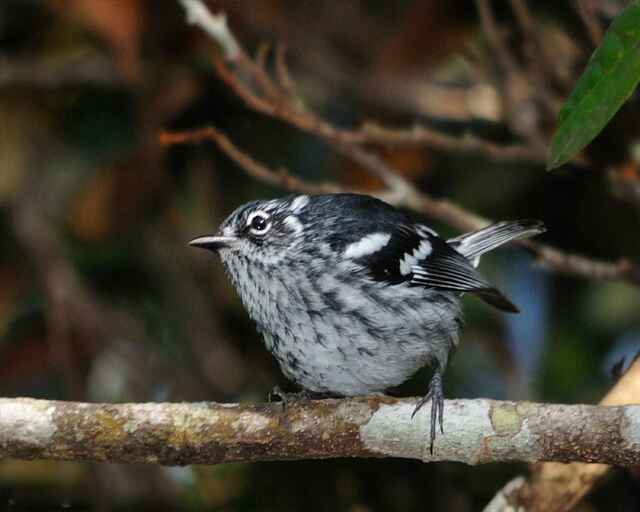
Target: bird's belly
(331, 336)
(348, 353)
(360, 369)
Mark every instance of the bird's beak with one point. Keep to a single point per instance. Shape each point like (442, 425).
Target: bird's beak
(213, 243)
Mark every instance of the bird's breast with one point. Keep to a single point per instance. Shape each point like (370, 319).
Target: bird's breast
(338, 332)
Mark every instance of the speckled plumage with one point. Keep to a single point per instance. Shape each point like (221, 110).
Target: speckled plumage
(350, 294)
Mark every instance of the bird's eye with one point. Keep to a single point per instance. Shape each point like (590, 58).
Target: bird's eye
(259, 223)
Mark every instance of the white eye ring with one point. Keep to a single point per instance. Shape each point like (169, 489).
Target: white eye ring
(258, 223)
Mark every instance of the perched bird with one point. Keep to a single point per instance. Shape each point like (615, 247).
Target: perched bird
(351, 295)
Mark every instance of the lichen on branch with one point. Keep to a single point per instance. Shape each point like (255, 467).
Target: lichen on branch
(476, 431)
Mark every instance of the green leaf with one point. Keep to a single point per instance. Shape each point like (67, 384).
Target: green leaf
(611, 76)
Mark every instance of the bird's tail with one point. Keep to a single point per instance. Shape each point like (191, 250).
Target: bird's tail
(475, 244)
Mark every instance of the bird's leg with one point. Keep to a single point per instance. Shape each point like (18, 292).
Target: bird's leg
(287, 398)
(436, 397)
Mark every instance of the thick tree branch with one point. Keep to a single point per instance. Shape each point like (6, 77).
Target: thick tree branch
(476, 431)
(554, 487)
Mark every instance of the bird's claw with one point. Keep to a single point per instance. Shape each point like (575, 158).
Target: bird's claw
(286, 398)
(436, 397)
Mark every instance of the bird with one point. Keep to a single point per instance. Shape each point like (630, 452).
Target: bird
(352, 295)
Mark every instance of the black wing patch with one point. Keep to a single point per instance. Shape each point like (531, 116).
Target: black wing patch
(443, 268)
(384, 265)
(447, 269)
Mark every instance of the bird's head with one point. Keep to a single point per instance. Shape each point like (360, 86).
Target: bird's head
(262, 233)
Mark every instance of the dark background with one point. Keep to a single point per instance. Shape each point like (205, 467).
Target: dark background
(102, 300)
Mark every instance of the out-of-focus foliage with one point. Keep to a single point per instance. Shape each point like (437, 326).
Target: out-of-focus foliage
(611, 77)
(101, 298)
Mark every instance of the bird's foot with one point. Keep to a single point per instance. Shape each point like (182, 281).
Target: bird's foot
(436, 397)
(287, 398)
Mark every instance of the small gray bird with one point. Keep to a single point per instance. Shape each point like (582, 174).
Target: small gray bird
(351, 295)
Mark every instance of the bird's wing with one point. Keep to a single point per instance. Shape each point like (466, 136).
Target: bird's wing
(391, 263)
(416, 255)
(447, 269)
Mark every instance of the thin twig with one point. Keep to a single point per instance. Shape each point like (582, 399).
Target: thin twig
(544, 63)
(491, 31)
(282, 71)
(575, 264)
(278, 100)
(590, 20)
(279, 177)
(521, 111)
(371, 133)
(213, 25)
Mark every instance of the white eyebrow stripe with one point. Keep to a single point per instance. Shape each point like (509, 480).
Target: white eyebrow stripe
(299, 203)
(419, 253)
(293, 223)
(367, 245)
